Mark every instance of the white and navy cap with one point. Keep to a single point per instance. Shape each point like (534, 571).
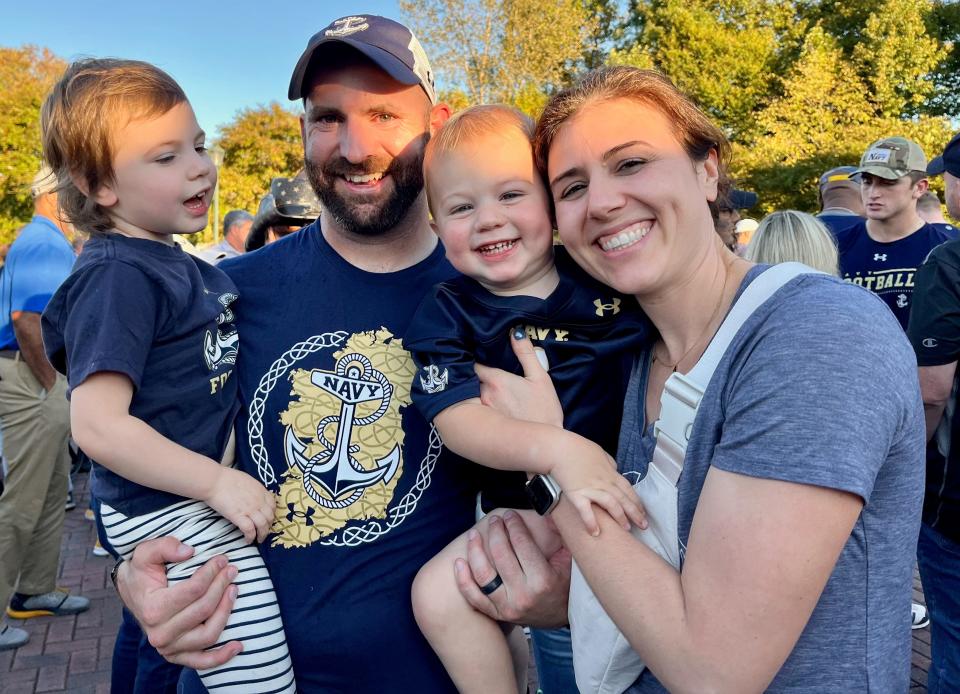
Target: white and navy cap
(389, 44)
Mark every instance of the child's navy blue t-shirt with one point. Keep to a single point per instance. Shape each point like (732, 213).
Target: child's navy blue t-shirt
(162, 318)
(590, 335)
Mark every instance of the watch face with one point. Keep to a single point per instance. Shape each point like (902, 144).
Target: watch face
(543, 493)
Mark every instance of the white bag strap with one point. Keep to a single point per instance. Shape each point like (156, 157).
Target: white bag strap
(682, 392)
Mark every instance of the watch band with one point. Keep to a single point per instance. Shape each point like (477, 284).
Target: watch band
(113, 573)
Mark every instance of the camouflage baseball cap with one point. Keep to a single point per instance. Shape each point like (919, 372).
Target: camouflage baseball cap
(892, 158)
(290, 202)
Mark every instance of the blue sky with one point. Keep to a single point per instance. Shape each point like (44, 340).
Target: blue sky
(226, 55)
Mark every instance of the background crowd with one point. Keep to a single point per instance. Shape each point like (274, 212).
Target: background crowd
(880, 225)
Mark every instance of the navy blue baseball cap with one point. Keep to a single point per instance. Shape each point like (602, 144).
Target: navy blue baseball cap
(839, 175)
(741, 199)
(389, 44)
(949, 161)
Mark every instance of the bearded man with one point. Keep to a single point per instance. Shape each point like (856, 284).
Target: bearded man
(366, 492)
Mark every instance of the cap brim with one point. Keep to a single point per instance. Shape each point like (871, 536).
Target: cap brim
(880, 172)
(298, 212)
(385, 60)
(936, 166)
(844, 183)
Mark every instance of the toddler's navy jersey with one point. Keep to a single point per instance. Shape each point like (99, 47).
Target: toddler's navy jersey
(589, 335)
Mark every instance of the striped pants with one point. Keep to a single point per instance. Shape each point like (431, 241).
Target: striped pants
(264, 664)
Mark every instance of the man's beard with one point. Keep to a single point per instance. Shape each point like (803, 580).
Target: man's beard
(360, 215)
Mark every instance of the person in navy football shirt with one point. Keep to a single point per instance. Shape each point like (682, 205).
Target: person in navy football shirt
(491, 212)
(366, 491)
(882, 252)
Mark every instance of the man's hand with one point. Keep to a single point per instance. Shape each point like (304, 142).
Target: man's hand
(535, 588)
(184, 620)
(26, 330)
(530, 397)
(242, 500)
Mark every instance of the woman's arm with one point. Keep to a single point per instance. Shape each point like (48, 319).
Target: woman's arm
(104, 429)
(759, 554)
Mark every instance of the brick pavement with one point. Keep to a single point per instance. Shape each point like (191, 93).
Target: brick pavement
(72, 654)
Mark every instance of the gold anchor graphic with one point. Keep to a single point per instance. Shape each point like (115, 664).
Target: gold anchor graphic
(334, 470)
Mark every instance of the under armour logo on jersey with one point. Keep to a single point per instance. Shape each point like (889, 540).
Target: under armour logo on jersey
(880, 256)
(603, 308)
(306, 516)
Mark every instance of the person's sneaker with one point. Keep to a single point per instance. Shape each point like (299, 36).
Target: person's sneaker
(919, 617)
(11, 637)
(55, 603)
(88, 515)
(99, 551)
(71, 504)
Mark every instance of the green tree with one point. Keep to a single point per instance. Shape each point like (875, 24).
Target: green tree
(726, 54)
(896, 56)
(819, 122)
(26, 75)
(822, 120)
(903, 50)
(944, 23)
(512, 51)
(604, 21)
(258, 145)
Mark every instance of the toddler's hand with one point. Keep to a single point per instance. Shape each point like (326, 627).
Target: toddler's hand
(243, 501)
(590, 476)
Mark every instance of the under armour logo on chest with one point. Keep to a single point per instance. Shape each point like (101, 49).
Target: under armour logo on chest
(603, 308)
(880, 256)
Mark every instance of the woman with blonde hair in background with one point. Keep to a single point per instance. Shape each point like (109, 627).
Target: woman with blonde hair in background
(791, 235)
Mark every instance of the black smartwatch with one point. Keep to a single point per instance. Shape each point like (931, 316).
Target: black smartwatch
(543, 493)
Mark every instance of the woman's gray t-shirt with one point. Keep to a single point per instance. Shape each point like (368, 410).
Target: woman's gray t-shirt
(819, 387)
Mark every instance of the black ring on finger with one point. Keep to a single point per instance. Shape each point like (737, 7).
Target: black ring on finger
(492, 585)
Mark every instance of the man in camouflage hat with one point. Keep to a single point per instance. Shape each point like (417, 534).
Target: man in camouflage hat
(290, 205)
(883, 251)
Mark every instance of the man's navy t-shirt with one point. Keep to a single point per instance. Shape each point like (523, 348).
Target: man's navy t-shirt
(887, 268)
(366, 493)
(164, 319)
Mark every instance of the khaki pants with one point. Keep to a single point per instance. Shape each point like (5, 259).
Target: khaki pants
(36, 426)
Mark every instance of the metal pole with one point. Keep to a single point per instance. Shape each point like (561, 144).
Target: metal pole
(216, 155)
